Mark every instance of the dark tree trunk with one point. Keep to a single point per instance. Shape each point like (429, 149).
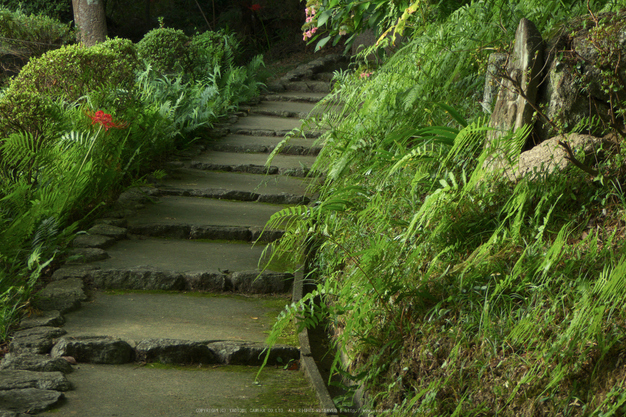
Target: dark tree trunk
(90, 20)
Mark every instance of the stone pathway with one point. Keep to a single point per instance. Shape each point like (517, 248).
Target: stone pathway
(163, 310)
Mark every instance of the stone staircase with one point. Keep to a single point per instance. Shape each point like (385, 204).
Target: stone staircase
(163, 308)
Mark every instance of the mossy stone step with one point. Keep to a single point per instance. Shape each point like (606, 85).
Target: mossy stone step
(265, 144)
(138, 315)
(249, 187)
(295, 165)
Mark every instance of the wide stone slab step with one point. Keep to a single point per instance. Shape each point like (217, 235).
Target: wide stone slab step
(180, 256)
(295, 96)
(166, 390)
(134, 316)
(299, 110)
(265, 144)
(236, 186)
(204, 213)
(148, 278)
(291, 165)
(260, 125)
(114, 351)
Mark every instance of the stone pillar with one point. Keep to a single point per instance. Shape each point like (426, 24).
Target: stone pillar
(512, 109)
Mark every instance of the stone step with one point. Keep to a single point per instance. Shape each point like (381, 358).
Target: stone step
(199, 317)
(295, 96)
(236, 186)
(297, 110)
(293, 165)
(265, 144)
(312, 86)
(162, 390)
(181, 265)
(202, 218)
(260, 125)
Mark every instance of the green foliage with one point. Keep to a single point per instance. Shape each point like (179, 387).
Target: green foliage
(450, 290)
(59, 159)
(56, 9)
(170, 51)
(166, 50)
(72, 71)
(26, 36)
(30, 35)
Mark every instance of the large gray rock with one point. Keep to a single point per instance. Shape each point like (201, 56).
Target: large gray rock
(265, 283)
(73, 271)
(64, 295)
(138, 279)
(19, 379)
(177, 352)
(86, 255)
(205, 281)
(577, 78)
(242, 353)
(34, 362)
(115, 232)
(512, 110)
(35, 340)
(51, 318)
(549, 156)
(29, 400)
(94, 349)
(93, 241)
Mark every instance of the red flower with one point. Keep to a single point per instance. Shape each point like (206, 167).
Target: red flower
(255, 7)
(106, 120)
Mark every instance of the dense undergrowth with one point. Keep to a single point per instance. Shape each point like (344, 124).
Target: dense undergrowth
(450, 290)
(78, 124)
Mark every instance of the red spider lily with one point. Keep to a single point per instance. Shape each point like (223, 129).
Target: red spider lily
(106, 120)
(255, 7)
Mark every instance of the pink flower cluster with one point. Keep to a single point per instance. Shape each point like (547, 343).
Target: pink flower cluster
(366, 74)
(310, 15)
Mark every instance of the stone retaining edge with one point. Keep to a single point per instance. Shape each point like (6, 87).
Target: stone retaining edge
(307, 362)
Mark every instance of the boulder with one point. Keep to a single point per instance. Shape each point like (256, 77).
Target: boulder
(243, 353)
(93, 241)
(582, 69)
(177, 352)
(20, 379)
(86, 255)
(34, 362)
(52, 318)
(549, 156)
(140, 278)
(29, 400)
(264, 283)
(35, 340)
(205, 281)
(115, 232)
(94, 349)
(64, 295)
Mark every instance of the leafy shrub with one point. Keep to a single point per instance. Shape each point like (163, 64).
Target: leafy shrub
(23, 37)
(57, 9)
(208, 51)
(166, 50)
(72, 71)
(170, 51)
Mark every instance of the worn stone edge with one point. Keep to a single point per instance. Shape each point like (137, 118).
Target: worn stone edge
(307, 362)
